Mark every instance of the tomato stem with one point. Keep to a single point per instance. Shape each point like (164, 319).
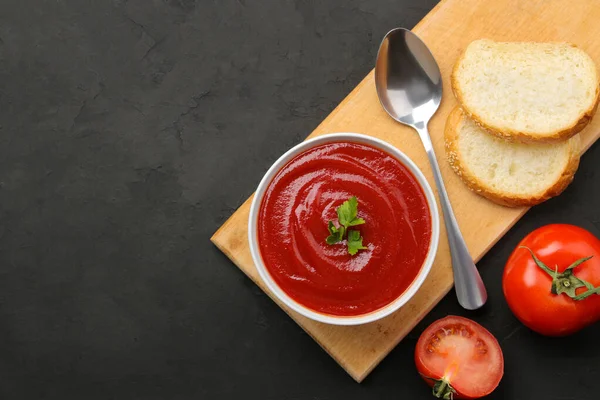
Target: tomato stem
(588, 293)
(566, 282)
(443, 390)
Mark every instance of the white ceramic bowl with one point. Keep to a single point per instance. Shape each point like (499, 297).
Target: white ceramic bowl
(293, 304)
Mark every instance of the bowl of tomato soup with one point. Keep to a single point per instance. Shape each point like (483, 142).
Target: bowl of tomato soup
(343, 229)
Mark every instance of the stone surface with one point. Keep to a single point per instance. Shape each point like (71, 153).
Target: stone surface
(129, 131)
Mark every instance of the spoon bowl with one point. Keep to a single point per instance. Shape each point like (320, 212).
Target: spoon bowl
(407, 78)
(409, 86)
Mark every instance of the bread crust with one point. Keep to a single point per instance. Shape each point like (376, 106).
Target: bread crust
(525, 137)
(453, 123)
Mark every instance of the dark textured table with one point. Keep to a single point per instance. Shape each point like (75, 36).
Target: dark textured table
(129, 131)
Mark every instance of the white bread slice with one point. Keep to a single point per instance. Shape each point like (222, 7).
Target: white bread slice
(526, 91)
(509, 173)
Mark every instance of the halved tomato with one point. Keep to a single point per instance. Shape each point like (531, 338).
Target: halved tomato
(459, 358)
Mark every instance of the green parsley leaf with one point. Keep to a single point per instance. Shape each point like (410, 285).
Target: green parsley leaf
(347, 213)
(355, 242)
(356, 221)
(336, 234)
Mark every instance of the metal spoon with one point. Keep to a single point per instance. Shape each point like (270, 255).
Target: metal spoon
(409, 86)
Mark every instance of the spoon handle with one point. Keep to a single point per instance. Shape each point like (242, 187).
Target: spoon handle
(470, 289)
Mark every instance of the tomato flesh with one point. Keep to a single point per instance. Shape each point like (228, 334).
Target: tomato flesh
(463, 353)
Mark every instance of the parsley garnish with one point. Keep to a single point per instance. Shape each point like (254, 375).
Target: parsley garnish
(347, 213)
(337, 234)
(355, 242)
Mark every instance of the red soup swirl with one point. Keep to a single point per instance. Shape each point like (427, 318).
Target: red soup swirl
(300, 201)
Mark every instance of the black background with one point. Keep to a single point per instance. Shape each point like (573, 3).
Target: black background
(129, 132)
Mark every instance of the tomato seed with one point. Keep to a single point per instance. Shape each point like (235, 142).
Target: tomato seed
(481, 347)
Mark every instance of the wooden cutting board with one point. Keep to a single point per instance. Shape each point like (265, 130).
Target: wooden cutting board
(447, 30)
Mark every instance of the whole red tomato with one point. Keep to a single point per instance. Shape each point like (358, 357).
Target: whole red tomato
(550, 282)
(459, 358)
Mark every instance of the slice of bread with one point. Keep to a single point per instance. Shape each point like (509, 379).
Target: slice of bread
(509, 173)
(526, 91)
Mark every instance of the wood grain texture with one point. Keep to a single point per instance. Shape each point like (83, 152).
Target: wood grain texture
(447, 30)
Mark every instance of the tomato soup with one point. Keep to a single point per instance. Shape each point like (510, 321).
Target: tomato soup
(300, 201)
